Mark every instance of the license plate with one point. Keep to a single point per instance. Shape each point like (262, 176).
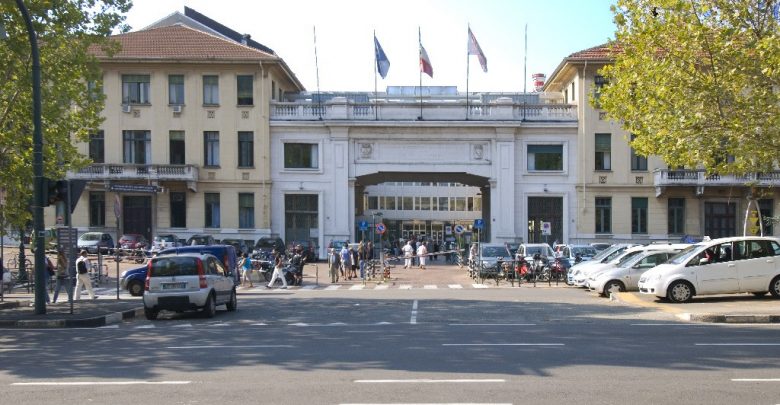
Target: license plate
(173, 286)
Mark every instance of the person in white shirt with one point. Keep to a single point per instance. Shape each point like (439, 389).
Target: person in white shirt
(83, 267)
(422, 254)
(408, 250)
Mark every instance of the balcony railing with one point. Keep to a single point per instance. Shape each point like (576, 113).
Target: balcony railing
(701, 178)
(109, 171)
(503, 109)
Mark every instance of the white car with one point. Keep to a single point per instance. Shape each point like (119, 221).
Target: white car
(582, 278)
(727, 265)
(625, 277)
(604, 256)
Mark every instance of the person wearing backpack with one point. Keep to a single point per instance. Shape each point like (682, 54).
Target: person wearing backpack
(82, 268)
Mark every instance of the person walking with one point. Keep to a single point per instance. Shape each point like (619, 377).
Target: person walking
(422, 255)
(246, 266)
(278, 262)
(344, 254)
(361, 254)
(62, 278)
(408, 254)
(83, 266)
(353, 257)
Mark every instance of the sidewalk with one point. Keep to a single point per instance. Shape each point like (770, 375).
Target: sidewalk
(726, 308)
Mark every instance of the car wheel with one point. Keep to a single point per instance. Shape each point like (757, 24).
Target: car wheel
(210, 309)
(150, 313)
(613, 286)
(233, 303)
(680, 291)
(136, 288)
(774, 287)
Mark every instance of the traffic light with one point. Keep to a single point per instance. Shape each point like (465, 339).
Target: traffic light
(56, 190)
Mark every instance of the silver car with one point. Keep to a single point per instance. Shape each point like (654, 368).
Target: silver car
(188, 282)
(625, 277)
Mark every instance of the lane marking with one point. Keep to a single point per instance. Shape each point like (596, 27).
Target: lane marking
(333, 287)
(224, 347)
(150, 326)
(670, 324)
(430, 287)
(382, 286)
(479, 286)
(456, 286)
(755, 379)
(357, 287)
(308, 287)
(79, 383)
(258, 324)
(414, 313)
(737, 344)
(432, 403)
(183, 325)
(405, 287)
(433, 381)
(492, 324)
(503, 344)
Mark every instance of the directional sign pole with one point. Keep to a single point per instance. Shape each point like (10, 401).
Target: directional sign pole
(117, 214)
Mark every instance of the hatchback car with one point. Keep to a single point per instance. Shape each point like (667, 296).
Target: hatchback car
(266, 244)
(571, 253)
(94, 241)
(164, 241)
(239, 244)
(133, 241)
(720, 266)
(625, 276)
(201, 240)
(188, 282)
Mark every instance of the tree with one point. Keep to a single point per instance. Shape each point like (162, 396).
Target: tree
(698, 82)
(70, 83)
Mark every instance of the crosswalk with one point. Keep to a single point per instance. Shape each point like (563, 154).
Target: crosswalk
(383, 286)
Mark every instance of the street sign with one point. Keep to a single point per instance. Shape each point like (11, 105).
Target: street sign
(363, 225)
(479, 223)
(546, 228)
(117, 206)
(459, 229)
(133, 188)
(380, 228)
(67, 237)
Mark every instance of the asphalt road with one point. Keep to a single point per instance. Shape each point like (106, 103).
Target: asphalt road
(497, 346)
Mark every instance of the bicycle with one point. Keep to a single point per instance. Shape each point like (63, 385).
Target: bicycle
(13, 263)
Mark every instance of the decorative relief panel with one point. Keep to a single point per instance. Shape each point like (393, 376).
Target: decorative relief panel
(366, 150)
(210, 114)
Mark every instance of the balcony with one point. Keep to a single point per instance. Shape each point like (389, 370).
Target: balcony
(340, 108)
(154, 173)
(700, 179)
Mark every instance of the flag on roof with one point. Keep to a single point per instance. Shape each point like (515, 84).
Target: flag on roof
(425, 62)
(382, 63)
(474, 49)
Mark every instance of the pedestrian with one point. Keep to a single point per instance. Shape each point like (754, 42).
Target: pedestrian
(62, 278)
(408, 254)
(49, 275)
(345, 261)
(278, 273)
(354, 261)
(336, 266)
(362, 257)
(83, 267)
(246, 266)
(422, 253)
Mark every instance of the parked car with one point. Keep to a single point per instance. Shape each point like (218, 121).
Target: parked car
(625, 277)
(239, 244)
(599, 246)
(309, 249)
(133, 280)
(94, 241)
(266, 244)
(528, 250)
(602, 257)
(720, 266)
(569, 253)
(582, 278)
(201, 240)
(193, 281)
(133, 241)
(164, 241)
(489, 256)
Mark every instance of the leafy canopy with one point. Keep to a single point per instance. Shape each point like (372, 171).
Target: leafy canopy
(698, 82)
(70, 108)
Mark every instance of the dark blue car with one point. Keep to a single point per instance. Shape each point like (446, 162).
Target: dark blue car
(133, 280)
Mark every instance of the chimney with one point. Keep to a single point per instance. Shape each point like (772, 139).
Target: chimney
(245, 39)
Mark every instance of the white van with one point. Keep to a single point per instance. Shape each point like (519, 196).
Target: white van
(726, 265)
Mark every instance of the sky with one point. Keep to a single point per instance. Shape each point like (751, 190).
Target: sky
(345, 45)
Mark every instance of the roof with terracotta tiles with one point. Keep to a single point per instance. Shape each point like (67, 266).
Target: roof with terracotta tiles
(179, 42)
(599, 52)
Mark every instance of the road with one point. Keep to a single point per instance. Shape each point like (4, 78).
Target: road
(444, 346)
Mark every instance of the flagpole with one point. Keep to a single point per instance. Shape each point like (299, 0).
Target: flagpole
(468, 41)
(525, 66)
(419, 40)
(317, 69)
(376, 67)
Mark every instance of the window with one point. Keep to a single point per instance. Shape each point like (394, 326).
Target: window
(423, 203)
(638, 215)
(176, 147)
(246, 143)
(545, 157)
(603, 215)
(301, 156)
(444, 204)
(137, 147)
(603, 146)
(211, 148)
(97, 208)
(676, 216)
(598, 84)
(244, 88)
(176, 89)
(406, 203)
(572, 91)
(97, 147)
(246, 210)
(210, 90)
(373, 203)
(638, 163)
(765, 206)
(389, 203)
(135, 89)
(94, 90)
(178, 209)
(212, 210)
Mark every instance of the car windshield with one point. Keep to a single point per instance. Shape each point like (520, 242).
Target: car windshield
(167, 238)
(199, 240)
(129, 237)
(90, 236)
(583, 251)
(627, 257)
(494, 251)
(265, 243)
(532, 250)
(685, 254)
(171, 266)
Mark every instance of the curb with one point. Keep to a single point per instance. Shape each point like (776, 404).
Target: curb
(628, 298)
(93, 322)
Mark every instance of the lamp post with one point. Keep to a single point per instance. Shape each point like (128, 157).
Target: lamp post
(37, 206)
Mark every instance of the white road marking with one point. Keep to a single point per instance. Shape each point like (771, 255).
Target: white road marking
(259, 324)
(224, 347)
(220, 324)
(78, 383)
(503, 344)
(405, 287)
(456, 286)
(492, 324)
(308, 287)
(299, 324)
(737, 344)
(333, 287)
(755, 379)
(145, 327)
(357, 287)
(670, 324)
(414, 313)
(433, 381)
(432, 403)
(182, 325)
(382, 286)
(109, 327)
(430, 287)
(479, 286)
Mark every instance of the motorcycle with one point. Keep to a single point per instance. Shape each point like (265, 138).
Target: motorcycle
(558, 270)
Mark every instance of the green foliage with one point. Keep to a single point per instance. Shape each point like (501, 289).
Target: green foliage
(698, 82)
(65, 30)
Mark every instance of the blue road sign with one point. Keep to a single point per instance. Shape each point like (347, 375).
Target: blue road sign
(479, 224)
(363, 225)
